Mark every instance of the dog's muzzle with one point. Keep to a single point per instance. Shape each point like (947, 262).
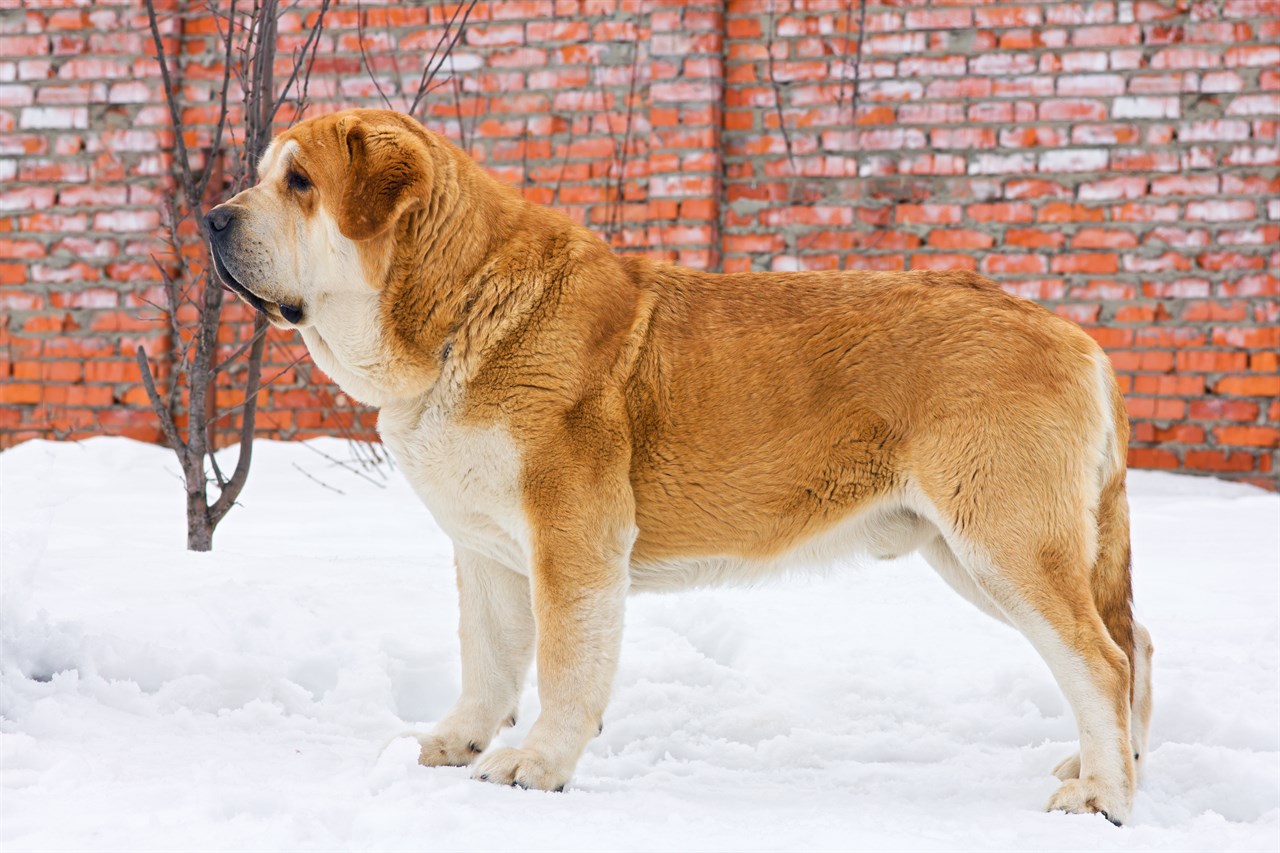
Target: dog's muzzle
(221, 222)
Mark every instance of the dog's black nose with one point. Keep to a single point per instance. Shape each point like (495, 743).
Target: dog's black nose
(218, 218)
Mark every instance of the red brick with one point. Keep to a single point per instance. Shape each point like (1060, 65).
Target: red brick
(1063, 212)
(1147, 457)
(1086, 263)
(1103, 238)
(1000, 212)
(1212, 361)
(1249, 386)
(1034, 238)
(932, 214)
(16, 393)
(1205, 310)
(942, 262)
(1248, 436)
(1218, 460)
(1172, 386)
(1014, 264)
(1221, 210)
(960, 239)
(1082, 314)
(938, 19)
(1178, 434)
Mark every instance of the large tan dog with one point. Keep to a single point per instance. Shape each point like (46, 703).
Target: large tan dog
(584, 424)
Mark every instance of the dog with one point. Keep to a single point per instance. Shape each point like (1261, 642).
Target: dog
(584, 424)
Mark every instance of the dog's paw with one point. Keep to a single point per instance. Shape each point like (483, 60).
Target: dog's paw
(1068, 768)
(523, 768)
(1090, 796)
(445, 748)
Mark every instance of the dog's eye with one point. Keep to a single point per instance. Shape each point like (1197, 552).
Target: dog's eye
(298, 182)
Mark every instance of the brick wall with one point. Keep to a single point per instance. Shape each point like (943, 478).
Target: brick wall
(1117, 160)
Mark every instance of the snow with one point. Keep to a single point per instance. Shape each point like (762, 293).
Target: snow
(258, 696)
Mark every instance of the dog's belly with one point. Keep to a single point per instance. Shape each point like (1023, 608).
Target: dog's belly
(889, 529)
(468, 477)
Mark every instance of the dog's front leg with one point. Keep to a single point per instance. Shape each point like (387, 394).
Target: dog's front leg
(496, 633)
(583, 533)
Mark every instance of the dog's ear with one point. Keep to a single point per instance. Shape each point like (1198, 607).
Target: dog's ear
(387, 173)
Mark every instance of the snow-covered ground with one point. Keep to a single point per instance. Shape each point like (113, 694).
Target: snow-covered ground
(153, 699)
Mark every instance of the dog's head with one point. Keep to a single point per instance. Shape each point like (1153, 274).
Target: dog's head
(319, 219)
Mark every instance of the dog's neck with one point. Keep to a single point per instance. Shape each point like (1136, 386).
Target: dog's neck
(391, 343)
(461, 275)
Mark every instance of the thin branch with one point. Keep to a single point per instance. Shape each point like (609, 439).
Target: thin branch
(245, 405)
(343, 465)
(305, 84)
(457, 106)
(264, 72)
(171, 296)
(260, 331)
(307, 47)
(207, 173)
(777, 90)
(171, 98)
(231, 490)
(317, 481)
(206, 343)
(564, 160)
(217, 471)
(614, 218)
(167, 425)
(857, 62)
(437, 59)
(365, 451)
(524, 155)
(364, 57)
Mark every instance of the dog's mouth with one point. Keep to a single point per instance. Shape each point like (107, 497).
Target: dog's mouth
(272, 310)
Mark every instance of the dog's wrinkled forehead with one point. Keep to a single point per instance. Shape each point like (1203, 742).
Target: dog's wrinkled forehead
(276, 158)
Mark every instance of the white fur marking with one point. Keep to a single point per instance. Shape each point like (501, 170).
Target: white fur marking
(469, 477)
(274, 156)
(885, 530)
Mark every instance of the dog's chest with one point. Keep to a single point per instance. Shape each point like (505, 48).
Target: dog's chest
(468, 476)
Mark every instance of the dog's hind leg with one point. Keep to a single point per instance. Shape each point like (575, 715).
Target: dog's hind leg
(1090, 680)
(1111, 586)
(1026, 530)
(1140, 711)
(950, 569)
(1045, 595)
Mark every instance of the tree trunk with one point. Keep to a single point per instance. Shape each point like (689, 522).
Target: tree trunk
(199, 528)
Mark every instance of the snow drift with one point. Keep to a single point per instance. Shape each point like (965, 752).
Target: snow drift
(257, 696)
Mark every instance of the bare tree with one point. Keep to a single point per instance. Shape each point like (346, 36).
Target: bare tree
(248, 46)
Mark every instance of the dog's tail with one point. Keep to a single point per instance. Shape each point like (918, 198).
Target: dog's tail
(1110, 580)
